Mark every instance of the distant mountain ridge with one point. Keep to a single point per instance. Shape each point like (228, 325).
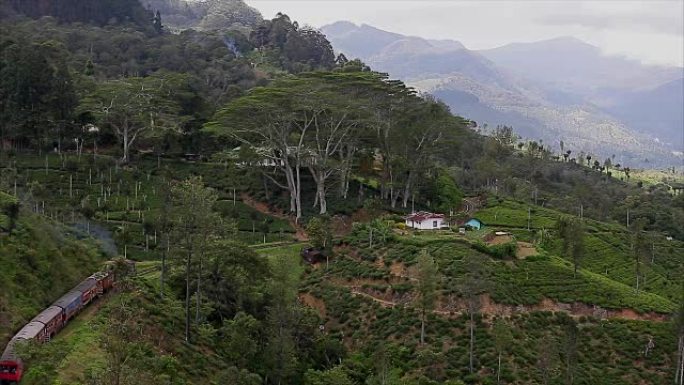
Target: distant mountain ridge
(558, 89)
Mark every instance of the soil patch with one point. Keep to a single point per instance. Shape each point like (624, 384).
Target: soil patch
(264, 208)
(500, 239)
(525, 249)
(490, 308)
(314, 303)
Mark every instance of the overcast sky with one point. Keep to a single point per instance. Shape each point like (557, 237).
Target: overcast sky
(651, 31)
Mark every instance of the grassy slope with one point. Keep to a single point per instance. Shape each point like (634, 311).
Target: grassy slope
(69, 183)
(606, 244)
(610, 351)
(40, 261)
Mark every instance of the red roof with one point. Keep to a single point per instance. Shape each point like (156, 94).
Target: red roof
(423, 215)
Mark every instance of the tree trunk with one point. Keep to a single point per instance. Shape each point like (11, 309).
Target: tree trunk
(407, 189)
(124, 158)
(320, 191)
(199, 288)
(291, 186)
(471, 364)
(298, 189)
(162, 276)
(679, 374)
(187, 296)
(422, 328)
(498, 371)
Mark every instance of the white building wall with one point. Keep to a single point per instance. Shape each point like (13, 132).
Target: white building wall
(426, 224)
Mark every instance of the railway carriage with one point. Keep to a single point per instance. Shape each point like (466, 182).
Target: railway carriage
(105, 281)
(53, 321)
(88, 289)
(11, 366)
(70, 303)
(48, 322)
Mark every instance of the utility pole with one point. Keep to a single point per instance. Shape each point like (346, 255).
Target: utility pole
(529, 218)
(627, 217)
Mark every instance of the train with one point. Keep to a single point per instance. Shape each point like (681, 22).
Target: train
(50, 321)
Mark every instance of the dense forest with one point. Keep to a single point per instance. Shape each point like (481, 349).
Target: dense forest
(213, 155)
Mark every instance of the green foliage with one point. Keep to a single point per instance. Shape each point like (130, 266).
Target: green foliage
(334, 376)
(41, 261)
(320, 234)
(501, 251)
(448, 196)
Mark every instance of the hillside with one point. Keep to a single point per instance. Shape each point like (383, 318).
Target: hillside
(179, 15)
(41, 260)
(220, 161)
(658, 110)
(560, 89)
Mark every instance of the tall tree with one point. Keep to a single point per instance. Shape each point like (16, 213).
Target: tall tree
(427, 276)
(547, 358)
(640, 248)
(569, 351)
(280, 350)
(472, 285)
(422, 132)
(132, 108)
(571, 232)
(192, 220)
(502, 342)
(679, 333)
(298, 122)
(122, 329)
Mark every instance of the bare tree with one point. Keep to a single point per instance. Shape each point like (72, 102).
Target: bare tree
(546, 358)
(426, 288)
(472, 286)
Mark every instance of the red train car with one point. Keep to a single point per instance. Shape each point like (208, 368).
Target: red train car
(11, 366)
(105, 281)
(88, 289)
(48, 323)
(53, 321)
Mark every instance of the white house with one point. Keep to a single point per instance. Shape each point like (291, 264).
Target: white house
(424, 220)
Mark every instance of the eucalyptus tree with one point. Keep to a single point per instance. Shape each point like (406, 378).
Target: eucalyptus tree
(192, 221)
(133, 108)
(298, 123)
(421, 135)
(472, 285)
(426, 289)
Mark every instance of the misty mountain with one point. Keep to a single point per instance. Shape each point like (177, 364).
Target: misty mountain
(569, 100)
(572, 66)
(658, 111)
(205, 15)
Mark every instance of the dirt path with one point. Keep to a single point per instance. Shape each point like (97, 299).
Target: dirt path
(264, 208)
(490, 308)
(470, 206)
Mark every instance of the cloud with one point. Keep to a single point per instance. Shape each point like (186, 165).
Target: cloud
(659, 17)
(616, 26)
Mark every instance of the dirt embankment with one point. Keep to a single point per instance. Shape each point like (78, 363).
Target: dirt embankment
(263, 208)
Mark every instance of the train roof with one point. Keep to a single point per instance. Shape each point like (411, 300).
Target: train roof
(30, 331)
(48, 314)
(9, 354)
(86, 285)
(67, 299)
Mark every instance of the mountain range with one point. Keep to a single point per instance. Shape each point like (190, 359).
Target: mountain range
(553, 90)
